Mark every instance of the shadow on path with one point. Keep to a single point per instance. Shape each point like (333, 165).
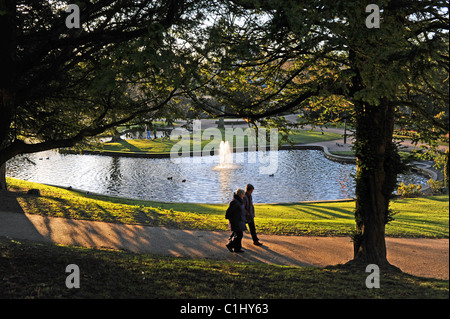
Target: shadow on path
(420, 257)
(15, 223)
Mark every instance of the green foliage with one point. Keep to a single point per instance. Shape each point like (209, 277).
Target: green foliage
(446, 169)
(356, 236)
(435, 186)
(409, 190)
(125, 63)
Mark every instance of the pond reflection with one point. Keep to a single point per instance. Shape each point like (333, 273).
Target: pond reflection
(302, 175)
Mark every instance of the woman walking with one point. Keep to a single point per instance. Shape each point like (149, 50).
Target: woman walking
(250, 213)
(236, 221)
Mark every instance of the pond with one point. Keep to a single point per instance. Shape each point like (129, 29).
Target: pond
(302, 175)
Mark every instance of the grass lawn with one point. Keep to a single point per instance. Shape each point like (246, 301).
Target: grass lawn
(35, 270)
(416, 217)
(306, 137)
(159, 146)
(32, 270)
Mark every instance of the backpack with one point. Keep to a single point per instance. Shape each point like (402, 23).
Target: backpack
(228, 212)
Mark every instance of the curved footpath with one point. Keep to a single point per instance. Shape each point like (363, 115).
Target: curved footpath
(419, 257)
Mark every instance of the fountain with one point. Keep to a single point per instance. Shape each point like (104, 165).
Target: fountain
(225, 156)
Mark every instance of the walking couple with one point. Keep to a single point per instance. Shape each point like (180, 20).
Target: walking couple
(239, 213)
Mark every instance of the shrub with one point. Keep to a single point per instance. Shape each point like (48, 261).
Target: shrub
(409, 190)
(436, 186)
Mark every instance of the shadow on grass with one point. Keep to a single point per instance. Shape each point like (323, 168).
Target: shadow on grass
(130, 147)
(9, 202)
(443, 199)
(37, 271)
(327, 212)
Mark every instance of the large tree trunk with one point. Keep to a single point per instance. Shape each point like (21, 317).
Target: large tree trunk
(8, 45)
(3, 177)
(378, 164)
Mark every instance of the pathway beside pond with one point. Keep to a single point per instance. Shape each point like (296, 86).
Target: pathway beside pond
(419, 257)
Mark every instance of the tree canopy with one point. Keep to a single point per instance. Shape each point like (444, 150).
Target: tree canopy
(59, 85)
(248, 58)
(271, 57)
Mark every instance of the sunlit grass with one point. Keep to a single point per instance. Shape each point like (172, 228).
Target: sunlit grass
(415, 217)
(160, 146)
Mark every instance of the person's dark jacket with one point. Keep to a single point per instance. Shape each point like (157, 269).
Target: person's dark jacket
(236, 214)
(249, 208)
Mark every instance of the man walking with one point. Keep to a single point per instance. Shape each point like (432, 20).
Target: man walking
(250, 213)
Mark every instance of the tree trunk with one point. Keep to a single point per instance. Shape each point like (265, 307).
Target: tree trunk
(3, 185)
(378, 164)
(7, 77)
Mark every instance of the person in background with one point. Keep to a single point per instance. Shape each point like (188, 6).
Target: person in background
(236, 221)
(147, 129)
(250, 213)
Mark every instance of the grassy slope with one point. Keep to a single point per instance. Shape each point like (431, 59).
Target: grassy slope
(416, 217)
(158, 146)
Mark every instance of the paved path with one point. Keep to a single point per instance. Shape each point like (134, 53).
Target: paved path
(420, 257)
